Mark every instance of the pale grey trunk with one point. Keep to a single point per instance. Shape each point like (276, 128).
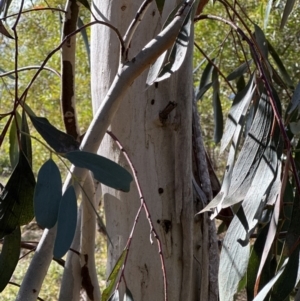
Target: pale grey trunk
(162, 155)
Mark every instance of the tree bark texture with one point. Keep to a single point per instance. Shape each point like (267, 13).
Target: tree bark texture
(161, 152)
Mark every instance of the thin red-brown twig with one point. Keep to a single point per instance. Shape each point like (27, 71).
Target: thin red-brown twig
(143, 205)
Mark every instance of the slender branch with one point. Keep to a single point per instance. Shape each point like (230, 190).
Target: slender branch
(135, 23)
(34, 10)
(215, 66)
(146, 209)
(27, 68)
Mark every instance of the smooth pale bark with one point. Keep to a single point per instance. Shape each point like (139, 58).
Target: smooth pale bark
(162, 155)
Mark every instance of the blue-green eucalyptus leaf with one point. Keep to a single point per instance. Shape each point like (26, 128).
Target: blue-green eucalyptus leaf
(104, 170)
(218, 115)
(287, 11)
(66, 223)
(47, 195)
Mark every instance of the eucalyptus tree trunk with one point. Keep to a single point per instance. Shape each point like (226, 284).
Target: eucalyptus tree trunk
(159, 143)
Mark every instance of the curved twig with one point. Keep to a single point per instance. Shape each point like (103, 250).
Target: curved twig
(27, 68)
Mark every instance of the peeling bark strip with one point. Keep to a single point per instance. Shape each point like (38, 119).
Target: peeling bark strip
(68, 105)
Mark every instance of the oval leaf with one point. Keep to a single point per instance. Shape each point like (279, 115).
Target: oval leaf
(47, 195)
(104, 170)
(9, 256)
(66, 223)
(58, 140)
(16, 200)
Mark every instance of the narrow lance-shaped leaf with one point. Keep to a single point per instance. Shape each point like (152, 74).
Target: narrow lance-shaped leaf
(178, 51)
(128, 295)
(238, 109)
(239, 71)
(26, 139)
(252, 151)
(261, 41)
(85, 39)
(267, 13)
(287, 11)
(58, 140)
(157, 66)
(14, 140)
(4, 31)
(205, 81)
(16, 200)
(9, 256)
(160, 5)
(236, 247)
(218, 115)
(113, 276)
(285, 76)
(66, 223)
(104, 170)
(47, 195)
(114, 297)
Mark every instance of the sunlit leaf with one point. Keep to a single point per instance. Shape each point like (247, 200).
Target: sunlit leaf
(16, 200)
(113, 276)
(237, 111)
(58, 140)
(178, 52)
(268, 9)
(104, 170)
(66, 223)
(47, 195)
(287, 11)
(128, 295)
(9, 256)
(114, 297)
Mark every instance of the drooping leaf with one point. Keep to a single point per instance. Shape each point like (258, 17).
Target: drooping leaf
(85, 38)
(295, 101)
(25, 139)
(266, 289)
(128, 295)
(218, 115)
(251, 153)
(285, 76)
(287, 11)
(238, 109)
(9, 256)
(261, 41)
(114, 297)
(47, 195)
(157, 66)
(160, 5)
(267, 13)
(66, 223)
(205, 81)
(4, 31)
(113, 275)
(58, 140)
(178, 52)
(16, 200)
(239, 71)
(104, 170)
(236, 247)
(86, 4)
(14, 140)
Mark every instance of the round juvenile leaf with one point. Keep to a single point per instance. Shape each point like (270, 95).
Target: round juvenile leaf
(66, 223)
(9, 256)
(47, 195)
(104, 170)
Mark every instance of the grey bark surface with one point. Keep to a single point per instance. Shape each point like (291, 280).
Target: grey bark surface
(161, 152)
